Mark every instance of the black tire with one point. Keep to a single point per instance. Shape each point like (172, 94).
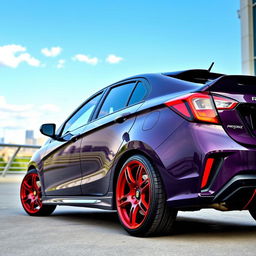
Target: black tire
(252, 211)
(159, 218)
(39, 209)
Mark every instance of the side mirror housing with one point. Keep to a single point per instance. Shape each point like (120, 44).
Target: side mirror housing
(48, 130)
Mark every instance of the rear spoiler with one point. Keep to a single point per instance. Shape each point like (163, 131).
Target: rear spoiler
(238, 84)
(195, 75)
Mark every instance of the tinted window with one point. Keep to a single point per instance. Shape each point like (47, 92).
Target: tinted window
(138, 94)
(116, 99)
(235, 84)
(82, 116)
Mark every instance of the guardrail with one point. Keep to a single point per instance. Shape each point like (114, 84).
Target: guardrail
(8, 164)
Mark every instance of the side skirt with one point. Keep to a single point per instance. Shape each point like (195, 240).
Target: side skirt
(101, 202)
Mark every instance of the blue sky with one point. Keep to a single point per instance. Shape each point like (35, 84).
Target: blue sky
(144, 36)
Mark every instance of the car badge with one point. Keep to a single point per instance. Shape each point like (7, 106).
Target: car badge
(235, 126)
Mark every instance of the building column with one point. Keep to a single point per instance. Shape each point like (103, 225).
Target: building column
(246, 18)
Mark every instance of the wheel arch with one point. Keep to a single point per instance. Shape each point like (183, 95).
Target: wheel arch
(128, 151)
(32, 166)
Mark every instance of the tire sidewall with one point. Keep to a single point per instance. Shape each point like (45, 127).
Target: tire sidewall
(252, 211)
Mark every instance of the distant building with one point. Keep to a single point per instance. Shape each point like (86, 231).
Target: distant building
(1, 141)
(29, 137)
(247, 14)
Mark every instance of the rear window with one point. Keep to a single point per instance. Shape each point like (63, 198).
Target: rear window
(235, 84)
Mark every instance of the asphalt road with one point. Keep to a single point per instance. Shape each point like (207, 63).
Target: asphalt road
(81, 231)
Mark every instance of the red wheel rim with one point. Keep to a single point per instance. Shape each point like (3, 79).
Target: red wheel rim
(30, 193)
(133, 194)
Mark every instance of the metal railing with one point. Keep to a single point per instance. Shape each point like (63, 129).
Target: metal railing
(8, 165)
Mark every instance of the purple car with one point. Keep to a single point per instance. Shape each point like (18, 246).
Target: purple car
(151, 145)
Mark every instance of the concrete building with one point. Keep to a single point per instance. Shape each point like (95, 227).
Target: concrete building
(247, 14)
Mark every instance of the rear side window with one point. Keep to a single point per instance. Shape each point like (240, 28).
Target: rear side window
(138, 94)
(116, 99)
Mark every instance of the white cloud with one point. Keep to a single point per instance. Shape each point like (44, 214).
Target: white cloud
(113, 59)
(60, 63)
(12, 55)
(4, 106)
(51, 52)
(16, 118)
(50, 107)
(86, 59)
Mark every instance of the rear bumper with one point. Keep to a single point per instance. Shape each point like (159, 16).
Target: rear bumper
(238, 194)
(184, 155)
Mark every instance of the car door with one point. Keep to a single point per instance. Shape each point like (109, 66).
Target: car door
(104, 136)
(62, 170)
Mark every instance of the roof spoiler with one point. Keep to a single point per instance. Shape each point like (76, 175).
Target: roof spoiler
(194, 75)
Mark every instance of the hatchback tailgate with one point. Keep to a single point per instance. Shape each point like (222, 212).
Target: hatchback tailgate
(240, 122)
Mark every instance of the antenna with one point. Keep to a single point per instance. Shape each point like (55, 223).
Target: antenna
(209, 69)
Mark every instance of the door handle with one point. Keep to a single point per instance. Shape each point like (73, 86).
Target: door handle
(122, 118)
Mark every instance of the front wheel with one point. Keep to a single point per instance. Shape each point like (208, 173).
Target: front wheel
(252, 208)
(31, 196)
(141, 201)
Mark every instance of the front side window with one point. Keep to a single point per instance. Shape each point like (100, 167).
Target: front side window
(81, 117)
(116, 99)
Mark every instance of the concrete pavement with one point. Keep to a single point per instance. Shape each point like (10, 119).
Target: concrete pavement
(11, 178)
(82, 231)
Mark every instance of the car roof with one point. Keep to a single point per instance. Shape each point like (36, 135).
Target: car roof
(185, 79)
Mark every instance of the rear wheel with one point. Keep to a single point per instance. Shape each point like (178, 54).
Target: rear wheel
(252, 210)
(253, 213)
(141, 201)
(31, 196)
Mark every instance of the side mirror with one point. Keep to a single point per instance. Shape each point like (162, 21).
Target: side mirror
(48, 130)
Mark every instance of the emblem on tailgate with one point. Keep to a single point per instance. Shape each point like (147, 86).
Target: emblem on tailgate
(235, 126)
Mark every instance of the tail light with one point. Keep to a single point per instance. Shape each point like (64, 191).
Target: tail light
(224, 103)
(201, 107)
